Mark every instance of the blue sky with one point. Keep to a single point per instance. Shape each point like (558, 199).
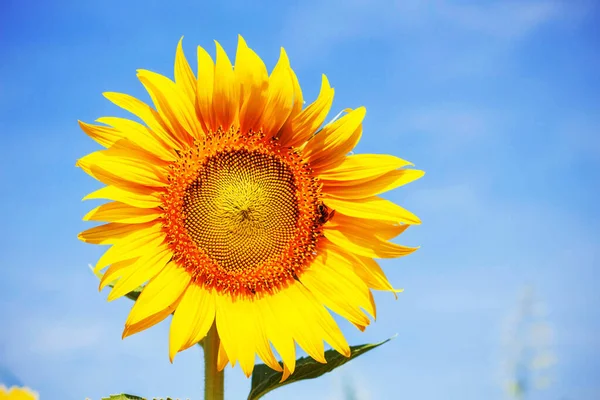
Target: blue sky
(498, 101)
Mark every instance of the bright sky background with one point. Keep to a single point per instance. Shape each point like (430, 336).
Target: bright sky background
(498, 101)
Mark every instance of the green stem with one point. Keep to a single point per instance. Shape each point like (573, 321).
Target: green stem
(213, 378)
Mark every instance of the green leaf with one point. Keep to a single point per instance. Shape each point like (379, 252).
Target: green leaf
(264, 379)
(123, 396)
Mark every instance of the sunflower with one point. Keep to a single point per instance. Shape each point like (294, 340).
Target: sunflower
(239, 207)
(17, 393)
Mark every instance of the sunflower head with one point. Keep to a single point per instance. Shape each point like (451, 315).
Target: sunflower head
(239, 207)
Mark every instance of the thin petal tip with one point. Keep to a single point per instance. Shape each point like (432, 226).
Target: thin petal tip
(88, 216)
(325, 81)
(347, 352)
(173, 349)
(111, 297)
(126, 332)
(218, 45)
(283, 57)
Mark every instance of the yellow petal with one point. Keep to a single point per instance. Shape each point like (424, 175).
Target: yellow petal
(362, 166)
(128, 191)
(222, 358)
(332, 280)
(124, 165)
(286, 373)
(329, 147)
(225, 92)
(142, 136)
(373, 306)
(243, 330)
(370, 187)
(351, 239)
(146, 113)
(174, 107)
(144, 269)
(204, 91)
(294, 312)
(184, 76)
(160, 293)
(237, 331)
(372, 274)
(115, 271)
(324, 322)
(372, 208)
(104, 135)
(305, 124)
(280, 97)
(112, 233)
(125, 196)
(253, 79)
(280, 336)
(263, 347)
(287, 128)
(134, 178)
(144, 240)
(121, 212)
(384, 229)
(128, 150)
(192, 319)
(298, 99)
(148, 322)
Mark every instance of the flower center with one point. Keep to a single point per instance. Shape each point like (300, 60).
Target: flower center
(242, 214)
(242, 209)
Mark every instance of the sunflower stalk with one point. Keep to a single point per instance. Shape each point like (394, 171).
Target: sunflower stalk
(214, 379)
